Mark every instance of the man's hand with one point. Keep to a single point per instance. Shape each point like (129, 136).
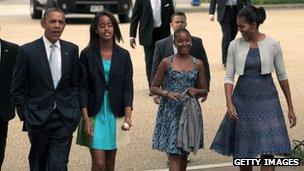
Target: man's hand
(211, 17)
(132, 43)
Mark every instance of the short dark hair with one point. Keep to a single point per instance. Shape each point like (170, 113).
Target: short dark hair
(52, 9)
(180, 30)
(253, 14)
(178, 13)
(94, 37)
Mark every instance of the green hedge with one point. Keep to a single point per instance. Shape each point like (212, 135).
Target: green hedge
(271, 1)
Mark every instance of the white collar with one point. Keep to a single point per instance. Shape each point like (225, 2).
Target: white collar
(47, 43)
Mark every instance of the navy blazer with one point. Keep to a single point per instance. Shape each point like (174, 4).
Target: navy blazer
(7, 61)
(93, 84)
(33, 91)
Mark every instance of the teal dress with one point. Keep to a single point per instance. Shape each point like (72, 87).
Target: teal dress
(104, 123)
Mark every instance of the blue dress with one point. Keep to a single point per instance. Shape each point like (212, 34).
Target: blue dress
(104, 123)
(260, 128)
(169, 111)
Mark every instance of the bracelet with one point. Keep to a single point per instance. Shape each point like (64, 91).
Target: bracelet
(204, 90)
(85, 120)
(166, 93)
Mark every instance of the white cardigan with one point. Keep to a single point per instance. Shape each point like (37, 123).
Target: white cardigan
(270, 53)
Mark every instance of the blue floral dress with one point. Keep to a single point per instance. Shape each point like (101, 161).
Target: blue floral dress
(169, 111)
(260, 128)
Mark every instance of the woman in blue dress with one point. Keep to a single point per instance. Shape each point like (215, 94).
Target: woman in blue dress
(106, 92)
(183, 73)
(254, 124)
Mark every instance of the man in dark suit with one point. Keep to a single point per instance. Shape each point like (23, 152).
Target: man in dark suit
(153, 17)
(226, 15)
(7, 112)
(45, 91)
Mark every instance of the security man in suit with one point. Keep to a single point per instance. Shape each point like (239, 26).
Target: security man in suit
(226, 15)
(153, 17)
(45, 91)
(8, 52)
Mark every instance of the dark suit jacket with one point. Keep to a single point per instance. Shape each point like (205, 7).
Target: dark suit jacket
(142, 14)
(93, 84)
(32, 86)
(221, 7)
(7, 61)
(164, 48)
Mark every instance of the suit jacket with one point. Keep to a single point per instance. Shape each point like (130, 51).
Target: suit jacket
(7, 61)
(93, 84)
(221, 7)
(164, 48)
(142, 14)
(32, 87)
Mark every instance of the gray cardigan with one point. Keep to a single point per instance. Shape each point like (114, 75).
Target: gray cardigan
(270, 53)
(190, 133)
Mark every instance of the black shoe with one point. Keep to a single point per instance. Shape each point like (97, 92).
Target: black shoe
(224, 66)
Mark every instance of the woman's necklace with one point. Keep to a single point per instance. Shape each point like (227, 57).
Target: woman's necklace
(106, 54)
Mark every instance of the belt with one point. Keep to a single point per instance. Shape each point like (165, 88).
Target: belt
(231, 6)
(107, 87)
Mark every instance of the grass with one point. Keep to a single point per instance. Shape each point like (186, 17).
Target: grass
(298, 150)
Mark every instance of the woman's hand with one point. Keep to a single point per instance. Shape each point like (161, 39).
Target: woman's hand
(127, 123)
(204, 98)
(87, 128)
(292, 118)
(174, 95)
(156, 99)
(193, 91)
(231, 111)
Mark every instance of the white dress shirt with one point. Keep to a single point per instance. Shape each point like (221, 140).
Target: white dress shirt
(174, 47)
(156, 11)
(48, 48)
(231, 2)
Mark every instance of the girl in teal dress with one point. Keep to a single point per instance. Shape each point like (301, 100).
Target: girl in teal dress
(106, 93)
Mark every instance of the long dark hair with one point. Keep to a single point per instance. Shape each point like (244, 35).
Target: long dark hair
(253, 14)
(94, 37)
